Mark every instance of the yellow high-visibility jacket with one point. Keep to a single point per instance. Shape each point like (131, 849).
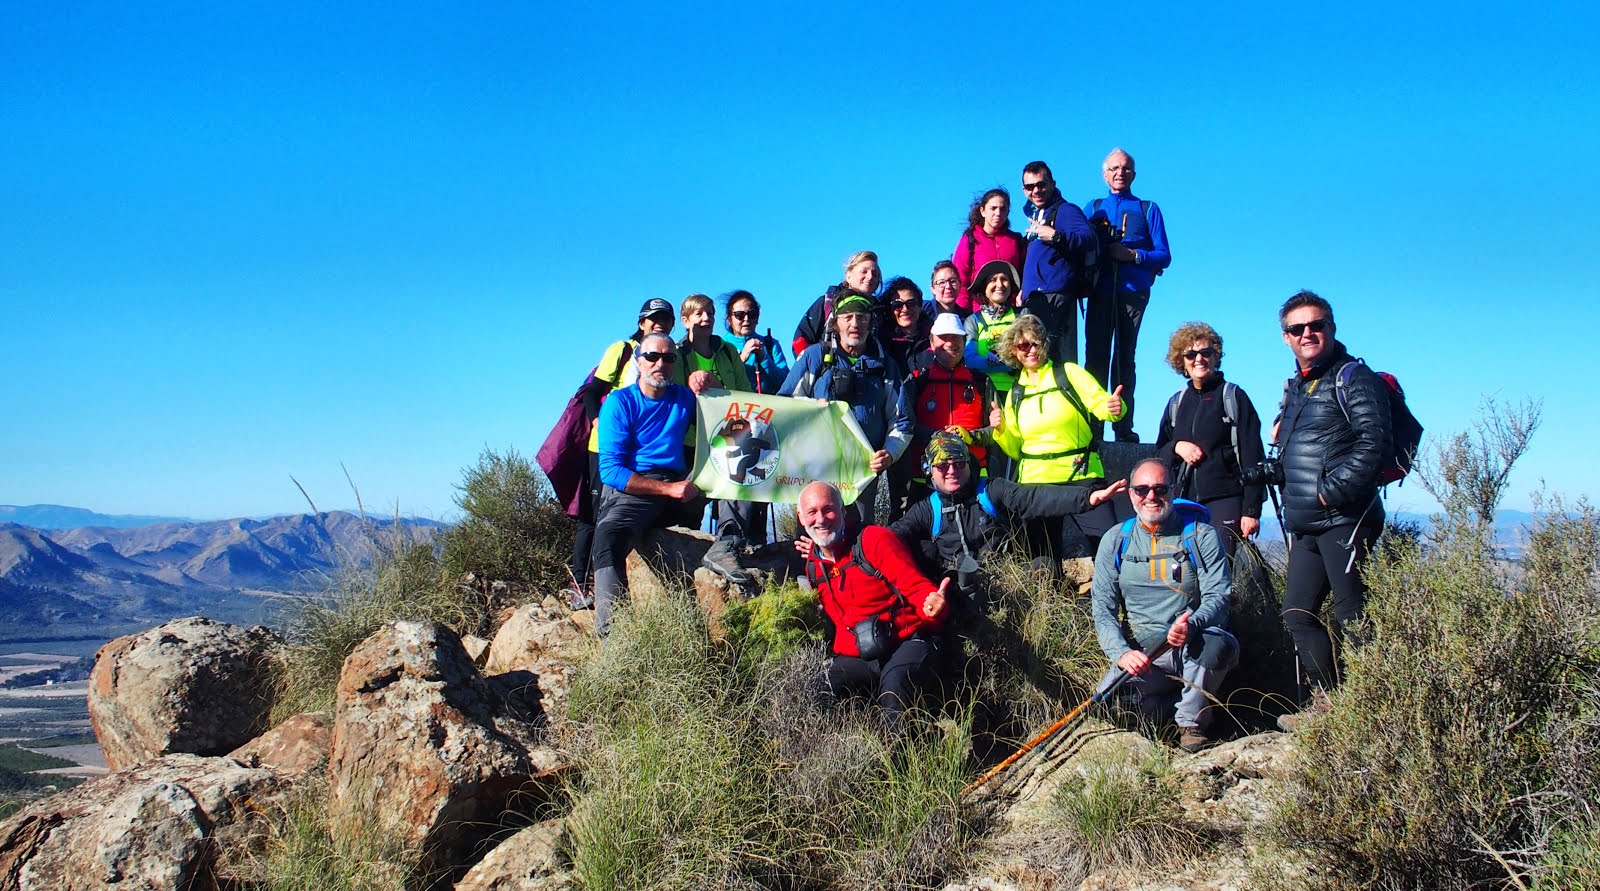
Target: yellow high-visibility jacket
(1046, 432)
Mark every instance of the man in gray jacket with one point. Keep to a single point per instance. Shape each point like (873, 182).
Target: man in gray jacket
(1164, 575)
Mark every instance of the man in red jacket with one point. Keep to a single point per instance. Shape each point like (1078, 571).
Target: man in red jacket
(884, 612)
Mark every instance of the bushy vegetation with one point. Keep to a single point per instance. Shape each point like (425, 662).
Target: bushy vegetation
(511, 529)
(301, 850)
(1112, 813)
(1460, 748)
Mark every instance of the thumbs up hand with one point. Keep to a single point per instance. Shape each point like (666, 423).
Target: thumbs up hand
(1114, 404)
(997, 418)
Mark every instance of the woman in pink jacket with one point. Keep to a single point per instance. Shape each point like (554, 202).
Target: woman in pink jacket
(988, 237)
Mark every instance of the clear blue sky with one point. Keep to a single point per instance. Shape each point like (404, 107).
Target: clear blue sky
(243, 241)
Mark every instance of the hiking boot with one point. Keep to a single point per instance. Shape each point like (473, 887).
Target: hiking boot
(1297, 721)
(579, 599)
(1191, 740)
(722, 558)
(1127, 436)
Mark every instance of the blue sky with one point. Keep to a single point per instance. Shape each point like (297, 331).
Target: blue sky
(244, 241)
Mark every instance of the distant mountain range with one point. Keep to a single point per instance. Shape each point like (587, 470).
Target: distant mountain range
(84, 579)
(57, 516)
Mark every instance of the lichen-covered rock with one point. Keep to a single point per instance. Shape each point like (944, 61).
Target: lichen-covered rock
(178, 822)
(192, 685)
(527, 861)
(546, 639)
(294, 748)
(429, 748)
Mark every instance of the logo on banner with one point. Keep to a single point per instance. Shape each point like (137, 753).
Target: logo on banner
(744, 446)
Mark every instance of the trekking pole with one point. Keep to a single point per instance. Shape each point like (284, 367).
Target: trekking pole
(1101, 695)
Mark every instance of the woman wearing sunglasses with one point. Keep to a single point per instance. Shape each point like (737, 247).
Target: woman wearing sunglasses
(1210, 430)
(763, 357)
(1047, 424)
(905, 327)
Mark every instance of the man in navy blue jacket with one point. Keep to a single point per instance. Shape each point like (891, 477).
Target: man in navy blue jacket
(1117, 308)
(1053, 275)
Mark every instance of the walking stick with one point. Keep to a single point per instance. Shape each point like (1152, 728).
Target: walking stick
(1101, 695)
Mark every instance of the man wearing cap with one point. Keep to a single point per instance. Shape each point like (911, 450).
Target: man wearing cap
(966, 516)
(612, 371)
(1163, 576)
(851, 367)
(642, 468)
(944, 395)
(1053, 274)
(1116, 310)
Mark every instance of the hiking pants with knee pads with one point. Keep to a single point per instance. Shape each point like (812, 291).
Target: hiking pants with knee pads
(1319, 564)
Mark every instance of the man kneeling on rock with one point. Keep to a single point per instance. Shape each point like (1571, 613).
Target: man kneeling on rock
(1163, 575)
(883, 613)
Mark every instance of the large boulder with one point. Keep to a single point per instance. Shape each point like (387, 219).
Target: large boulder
(429, 750)
(193, 685)
(527, 861)
(178, 822)
(544, 638)
(295, 747)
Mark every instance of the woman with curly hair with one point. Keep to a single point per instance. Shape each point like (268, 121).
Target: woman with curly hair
(1210, 430)
(988, 237)
(1047, 424)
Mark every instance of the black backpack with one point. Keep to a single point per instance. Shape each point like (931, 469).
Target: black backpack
(1403, 425)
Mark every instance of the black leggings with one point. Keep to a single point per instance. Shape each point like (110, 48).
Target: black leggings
(1321, 563)
(895, 682)
(1225, 514)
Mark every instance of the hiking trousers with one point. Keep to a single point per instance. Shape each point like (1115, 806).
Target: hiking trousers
(1320, 564)
(622, 520)
(1181, 684)
(1110, 339)
(895, 682)
(1059, 314)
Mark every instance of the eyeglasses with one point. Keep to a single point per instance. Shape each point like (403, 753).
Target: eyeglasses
(898, 305)
(742, 314)
(652, 358)
(949, 466)
(1034, 187)
(1026, 346)
(1192, 355)
(1317, 326)
(947, 283)
(1158, 491)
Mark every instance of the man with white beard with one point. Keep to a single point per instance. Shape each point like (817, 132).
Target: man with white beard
(883, 613)
(642, 467)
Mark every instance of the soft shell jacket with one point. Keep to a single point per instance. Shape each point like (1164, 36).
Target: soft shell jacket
(1044, 423)
(1200, 421)
(966, 520)
(975, 248)
(850, 594)
(1329, 456)
(725, 364)
(813, 325)
(766, 368)
(984, 328)
(941, 397)
(1056, 266)
(906, 346)
(1139, 602)
(879, 407)
(1144, 233)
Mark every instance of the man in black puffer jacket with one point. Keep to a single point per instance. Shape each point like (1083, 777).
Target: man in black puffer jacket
(1335, 435)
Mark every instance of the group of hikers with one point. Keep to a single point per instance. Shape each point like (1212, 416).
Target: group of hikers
(982, 423)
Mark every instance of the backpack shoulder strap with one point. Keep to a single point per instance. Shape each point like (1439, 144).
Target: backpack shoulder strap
(937, 505)
(1341, 380)
(984, 500)
(1172, 411)
(1067, 390)
(1123, 531)
(1094, 207)
(858, 557)
(1230, 413)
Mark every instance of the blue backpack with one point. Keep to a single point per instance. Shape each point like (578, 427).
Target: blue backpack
(1192, 513)
(937, 504)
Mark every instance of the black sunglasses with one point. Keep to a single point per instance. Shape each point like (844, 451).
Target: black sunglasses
(669, 358)
(742, 314)
(1031, 187)
(902, 304)
(1192, 355)
(1317, 326)
(1159, 490)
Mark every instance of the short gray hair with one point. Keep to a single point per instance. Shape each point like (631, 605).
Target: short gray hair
(655, 336)
(1166, 470)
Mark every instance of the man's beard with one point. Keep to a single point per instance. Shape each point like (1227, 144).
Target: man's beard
(656, 378)
(825, 536)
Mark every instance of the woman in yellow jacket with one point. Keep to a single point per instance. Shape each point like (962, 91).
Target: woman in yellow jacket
(1045, 425)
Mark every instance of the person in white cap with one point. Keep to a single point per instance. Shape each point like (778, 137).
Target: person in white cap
(944, 395)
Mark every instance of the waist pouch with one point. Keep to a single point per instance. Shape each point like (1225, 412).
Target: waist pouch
(875, 638)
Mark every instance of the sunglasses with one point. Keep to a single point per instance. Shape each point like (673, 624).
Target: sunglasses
(652, 358)
(1034, 187)
(898, 305)
(1317, 326)
(742, 314)
(1026, 346)
(948, 466)
(1192, 355)
(1159, 490)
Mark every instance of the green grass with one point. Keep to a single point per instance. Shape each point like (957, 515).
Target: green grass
(304, 851)
(1116, 813)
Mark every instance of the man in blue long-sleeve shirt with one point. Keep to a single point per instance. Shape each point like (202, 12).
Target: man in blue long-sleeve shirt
(1054, 272)
(642, 467)
(1111, 329)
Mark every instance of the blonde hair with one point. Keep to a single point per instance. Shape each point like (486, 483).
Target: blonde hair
(695, 302)
(859, 257)
(1185, 337)
(1024, 325)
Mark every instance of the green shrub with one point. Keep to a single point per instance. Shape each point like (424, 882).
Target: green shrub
(511, 529)
(1120, 814)
(773, 624)
(1573, 860)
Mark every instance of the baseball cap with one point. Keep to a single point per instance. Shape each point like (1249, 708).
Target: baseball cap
(655, 306)
(946, 324)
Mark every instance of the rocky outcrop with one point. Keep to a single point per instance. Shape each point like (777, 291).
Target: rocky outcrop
(546, 639)
(178, 822)
(295, 747)
(429, 748)
(527, 861)
(192, 685)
